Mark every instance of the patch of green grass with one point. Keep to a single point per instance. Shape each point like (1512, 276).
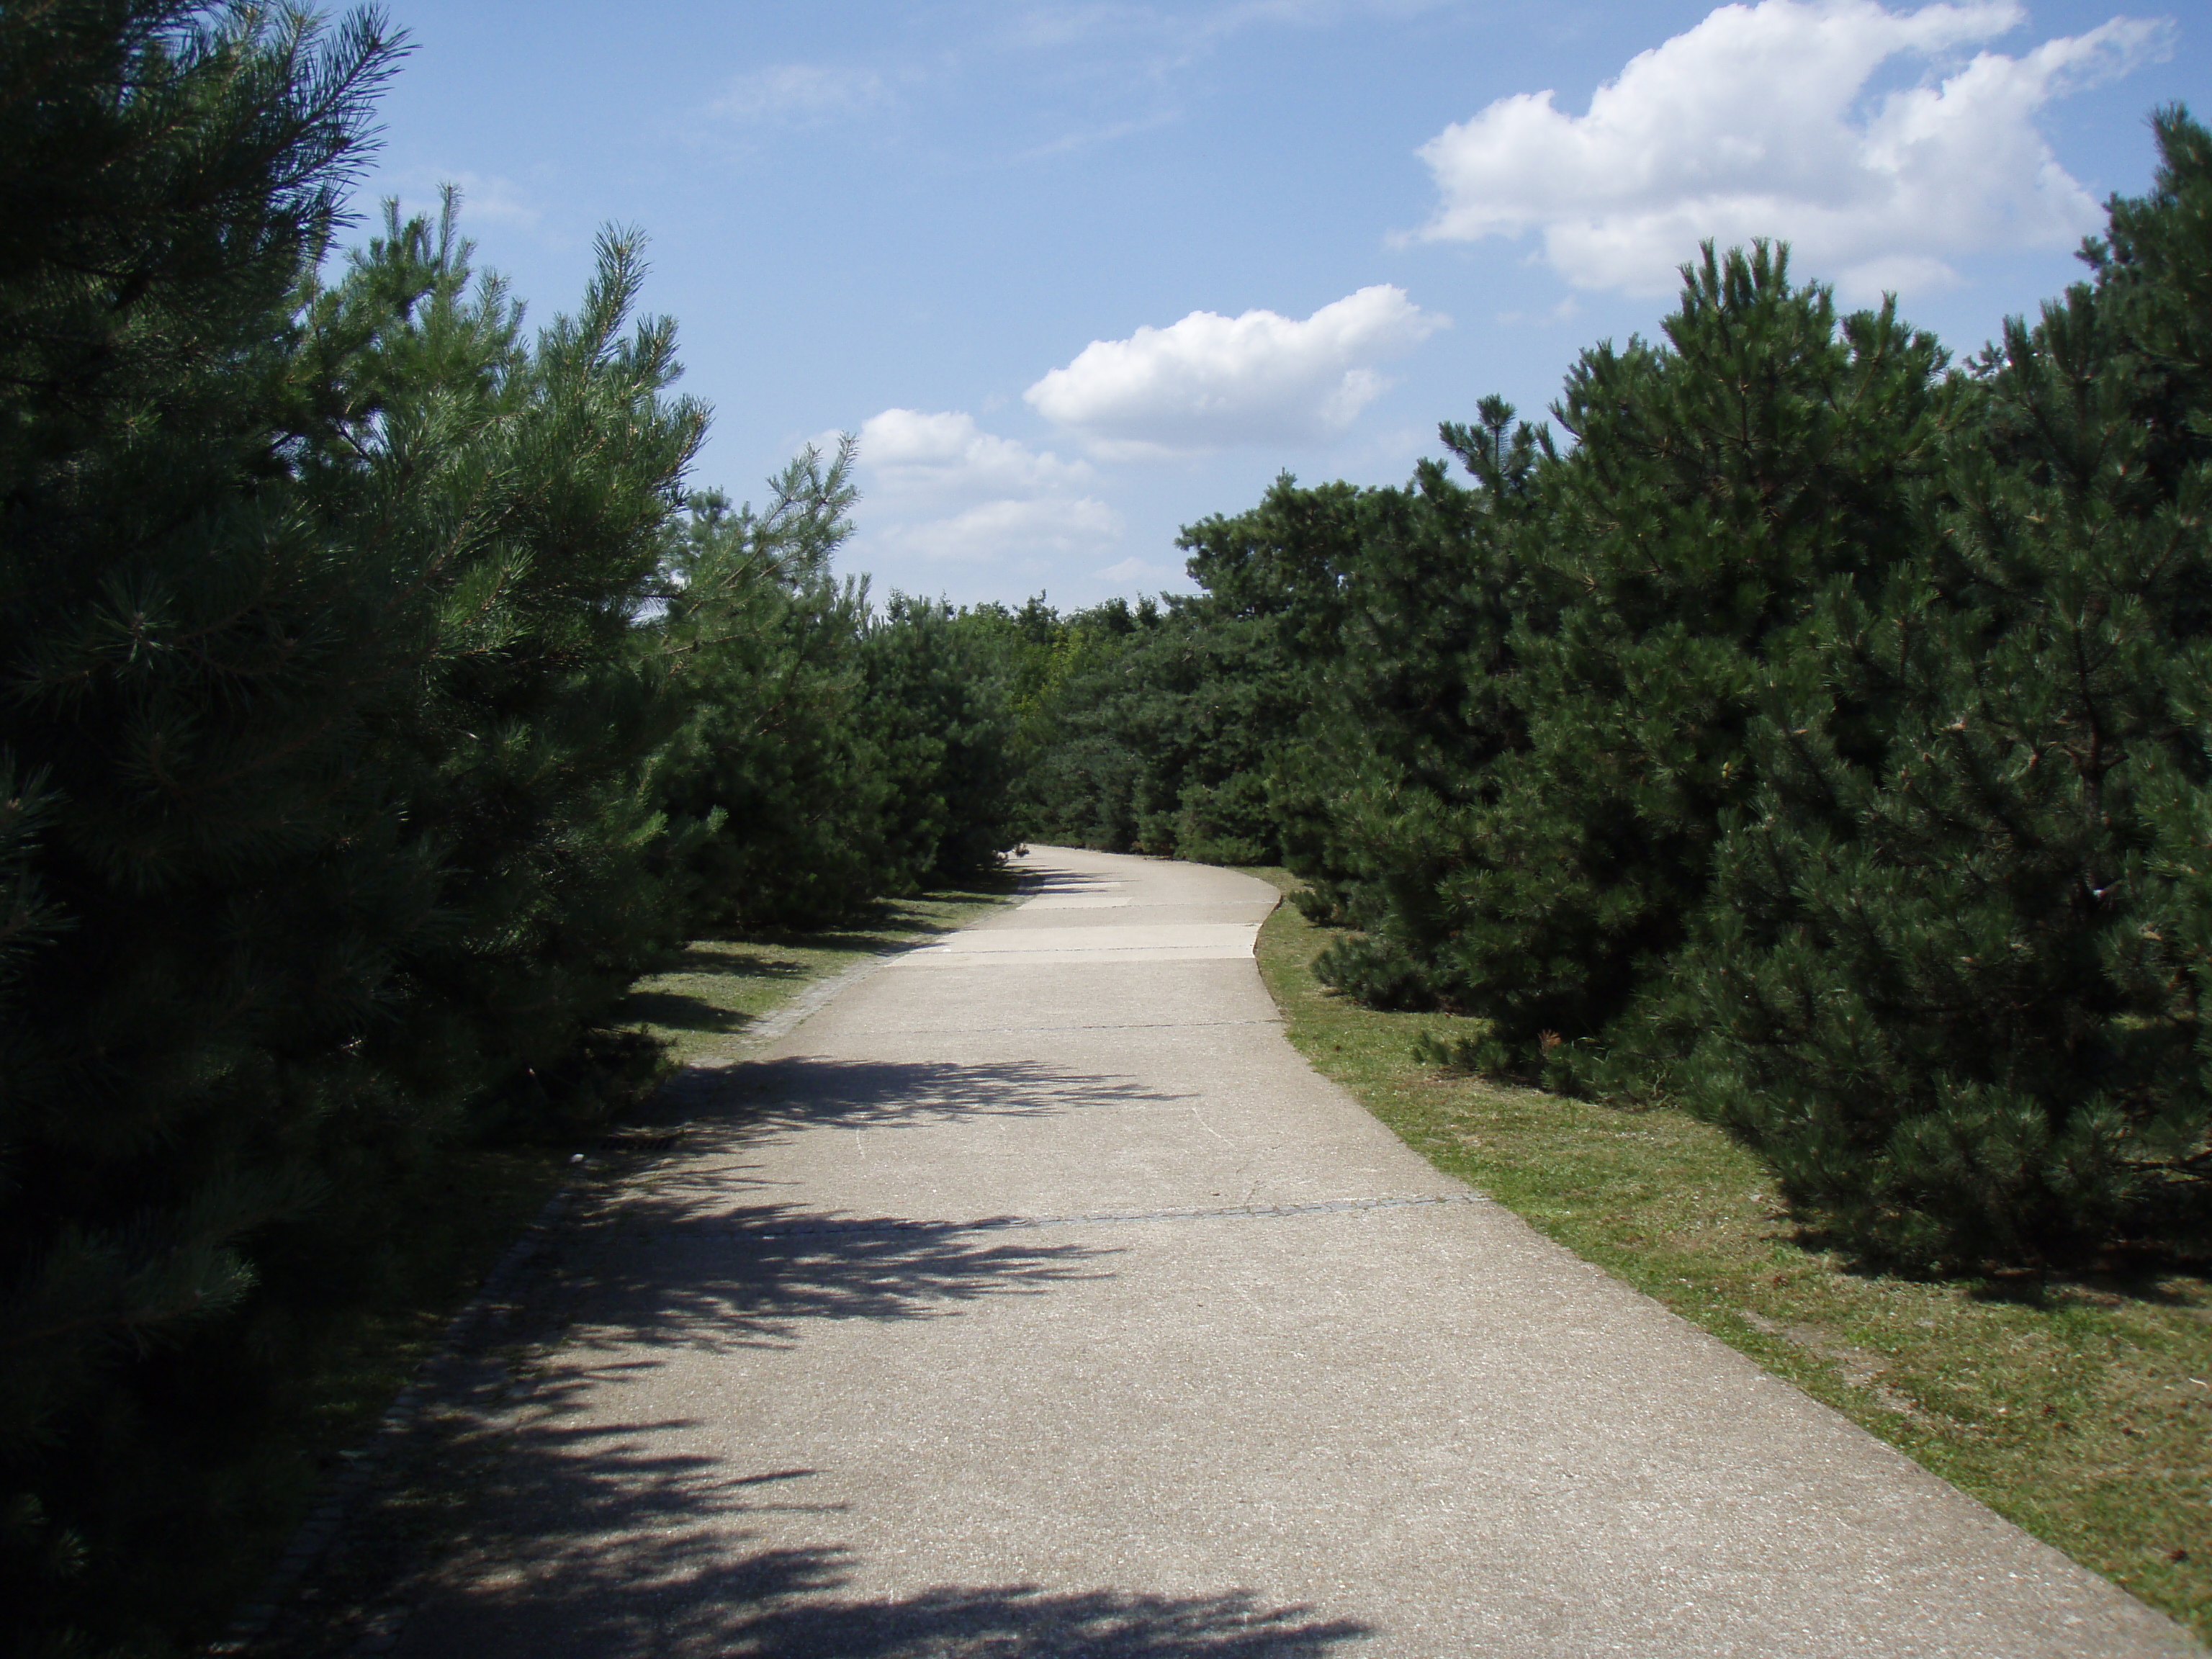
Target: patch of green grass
(2081, 1408)
(714, 989)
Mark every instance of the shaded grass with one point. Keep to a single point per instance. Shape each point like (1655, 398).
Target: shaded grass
(2081, 1408)
(709, 992)
(259, 1458)
(458, 1218)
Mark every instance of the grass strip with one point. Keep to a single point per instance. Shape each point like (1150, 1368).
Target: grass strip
(2081, 1407)
(713, 990)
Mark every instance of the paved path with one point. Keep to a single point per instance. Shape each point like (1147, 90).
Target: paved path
(1035, 1297)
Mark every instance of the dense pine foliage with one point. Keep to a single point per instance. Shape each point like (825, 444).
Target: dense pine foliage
(378, 707)
(1802, 730)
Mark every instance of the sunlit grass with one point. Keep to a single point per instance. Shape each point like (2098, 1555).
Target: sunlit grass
(2081, 1408)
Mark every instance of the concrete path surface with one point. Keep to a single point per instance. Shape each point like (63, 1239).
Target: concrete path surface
(1034, 1298)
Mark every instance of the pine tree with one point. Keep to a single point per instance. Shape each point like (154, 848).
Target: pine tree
(1952, 980)
(548, 471)
(942, 734)
(1228, 679)
(1068, 681)
(174, 770)
(1717, 483)
(776, 765)
(325, 830)
(1383, 793)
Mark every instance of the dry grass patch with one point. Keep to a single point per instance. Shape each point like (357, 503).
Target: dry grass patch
(2081, 1408)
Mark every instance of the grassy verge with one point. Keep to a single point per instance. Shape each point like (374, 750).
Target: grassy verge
(2082, 1408)
(714, 988)
(462, 1217)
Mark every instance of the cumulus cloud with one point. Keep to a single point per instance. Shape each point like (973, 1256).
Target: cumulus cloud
(486, 198)
(941, 488)
(1135, 570)
(911, 451)
(1010, 533)
(1210, 380)
(1759, 122)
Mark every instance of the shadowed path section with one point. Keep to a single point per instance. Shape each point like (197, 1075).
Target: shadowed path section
(1034, 1298)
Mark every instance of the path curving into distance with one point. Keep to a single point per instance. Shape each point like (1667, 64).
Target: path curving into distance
(1034, 1297)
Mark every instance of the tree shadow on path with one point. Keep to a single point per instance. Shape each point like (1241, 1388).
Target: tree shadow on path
(707, 1251)
(756, 1100)
(631, 1552)
(1052, 883)
(601, 1539)
(755, 1276)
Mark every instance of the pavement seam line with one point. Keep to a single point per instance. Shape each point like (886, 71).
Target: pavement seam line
(1005, 1224)
(1136, 1025)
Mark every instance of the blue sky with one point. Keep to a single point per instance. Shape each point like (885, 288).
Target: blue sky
(1080, 274)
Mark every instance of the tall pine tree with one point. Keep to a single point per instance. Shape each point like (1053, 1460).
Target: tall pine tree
(326, 830)
(1718, 482)
(1952, 980)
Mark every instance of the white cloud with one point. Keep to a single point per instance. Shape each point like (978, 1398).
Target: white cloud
(1092, 137)
(1139, 570)
(1187, 32)
(910, 450)
(1010, 533)
(486, 198)
(1565, 311)
(1210, 380)
(1759, 122)
(800, 94)
(939, 487)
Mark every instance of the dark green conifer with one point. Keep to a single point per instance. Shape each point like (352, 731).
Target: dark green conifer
(1227, 677)
(937, 717)
(324, 731)
(171, 624)
(1070, 683)
(776, 766)
(1383, 793)
(1951, 983)
(1717, 483)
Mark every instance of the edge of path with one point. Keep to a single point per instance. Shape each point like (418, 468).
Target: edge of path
(1910, 1362)
(473, 1358)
